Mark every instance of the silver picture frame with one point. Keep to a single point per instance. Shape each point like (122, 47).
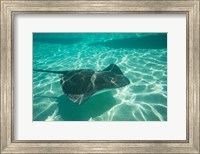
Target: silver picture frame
(11, 7)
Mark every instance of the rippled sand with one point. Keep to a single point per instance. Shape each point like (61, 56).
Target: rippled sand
(144, 99)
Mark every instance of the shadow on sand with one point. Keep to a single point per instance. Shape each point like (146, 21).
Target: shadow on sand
(93, 107)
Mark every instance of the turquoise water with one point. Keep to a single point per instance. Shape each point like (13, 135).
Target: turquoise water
(142, 57)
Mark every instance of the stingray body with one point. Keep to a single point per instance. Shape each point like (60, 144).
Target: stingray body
(79, 85)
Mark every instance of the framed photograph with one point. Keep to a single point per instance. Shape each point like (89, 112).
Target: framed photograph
(100, 76)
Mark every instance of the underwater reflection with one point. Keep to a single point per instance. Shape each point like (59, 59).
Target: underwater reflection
(62, 41)
(158, 41)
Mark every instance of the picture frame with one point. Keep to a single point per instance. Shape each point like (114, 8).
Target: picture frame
(8, 10)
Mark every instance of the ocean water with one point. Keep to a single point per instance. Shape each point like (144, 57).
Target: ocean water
(142, 57)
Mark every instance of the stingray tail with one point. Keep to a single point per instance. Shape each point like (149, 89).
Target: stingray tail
(47, 71)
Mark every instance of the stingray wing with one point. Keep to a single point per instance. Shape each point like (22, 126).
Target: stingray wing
(77, 85)
(78, 99)
(77, 82)
(114, 69)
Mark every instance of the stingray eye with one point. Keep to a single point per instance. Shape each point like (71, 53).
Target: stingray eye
(110, 78)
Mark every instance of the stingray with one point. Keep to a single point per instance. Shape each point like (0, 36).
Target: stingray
(80, 85)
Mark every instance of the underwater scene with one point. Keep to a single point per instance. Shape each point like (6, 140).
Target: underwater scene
(99, 76)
